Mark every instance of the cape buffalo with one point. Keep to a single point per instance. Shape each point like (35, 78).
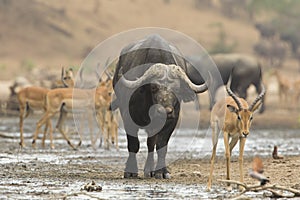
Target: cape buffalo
(247, 71)
(150, 82)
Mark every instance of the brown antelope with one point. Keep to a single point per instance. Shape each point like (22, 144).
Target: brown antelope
(107, 120)
(67, 79)
(284, 86)
(32, 99)
(296, 91)
(233, 116)
(64, 100)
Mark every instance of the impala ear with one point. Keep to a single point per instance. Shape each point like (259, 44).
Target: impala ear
(232, 108)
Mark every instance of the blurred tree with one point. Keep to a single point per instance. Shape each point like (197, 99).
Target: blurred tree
(284, 19)
(221, 45)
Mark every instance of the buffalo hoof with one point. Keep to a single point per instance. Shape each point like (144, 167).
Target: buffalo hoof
(149, 174)
(160, 175)
(130, 175)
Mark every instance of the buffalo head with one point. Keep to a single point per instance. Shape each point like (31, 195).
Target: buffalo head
(169, 85)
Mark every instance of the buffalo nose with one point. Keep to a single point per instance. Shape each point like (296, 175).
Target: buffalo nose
(169, 110)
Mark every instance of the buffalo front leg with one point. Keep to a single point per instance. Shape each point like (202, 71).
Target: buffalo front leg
(133, 145)
(161, 148)
(149, 165)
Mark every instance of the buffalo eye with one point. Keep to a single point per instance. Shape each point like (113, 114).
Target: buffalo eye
(154, 88)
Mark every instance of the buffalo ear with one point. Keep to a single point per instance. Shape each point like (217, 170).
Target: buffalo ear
(186, 93)
(232, 108)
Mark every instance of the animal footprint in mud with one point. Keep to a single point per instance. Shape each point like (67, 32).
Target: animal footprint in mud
(92, 187)
(275, 153)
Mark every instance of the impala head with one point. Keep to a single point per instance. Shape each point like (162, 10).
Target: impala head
(244, 115)
(67, 77)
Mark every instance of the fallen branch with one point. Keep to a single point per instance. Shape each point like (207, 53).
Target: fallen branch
(271, 188)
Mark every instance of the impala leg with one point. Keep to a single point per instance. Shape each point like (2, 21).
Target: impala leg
(22, 110)
(81, 129)
(44, 135)
(100, 120)
(49, 123)
(215, 132)
(59, 126)
(40, 123)
(241, 160)
(107, 126)
(115, 132)
(227, 156)
(91, 129)
(24, 113)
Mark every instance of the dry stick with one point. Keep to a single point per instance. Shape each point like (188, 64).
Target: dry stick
(269, 188)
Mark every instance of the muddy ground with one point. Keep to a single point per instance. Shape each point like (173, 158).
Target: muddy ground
(61, 173)
(43, 180)
(43, 173)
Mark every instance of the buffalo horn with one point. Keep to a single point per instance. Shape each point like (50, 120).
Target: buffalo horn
(155, 70)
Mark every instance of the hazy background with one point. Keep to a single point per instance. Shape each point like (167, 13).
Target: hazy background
(39, 34)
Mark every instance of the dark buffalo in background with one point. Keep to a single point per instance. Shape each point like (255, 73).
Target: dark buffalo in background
(150, 83)
(247, 71)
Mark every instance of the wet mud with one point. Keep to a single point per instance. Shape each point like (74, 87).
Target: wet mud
(61, 173)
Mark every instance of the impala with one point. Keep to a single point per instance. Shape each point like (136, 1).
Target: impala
(33, 98)
(284, 87)
(296, 90)
(65, 100)
(233, 116)
(107, 120)
(67, 79)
